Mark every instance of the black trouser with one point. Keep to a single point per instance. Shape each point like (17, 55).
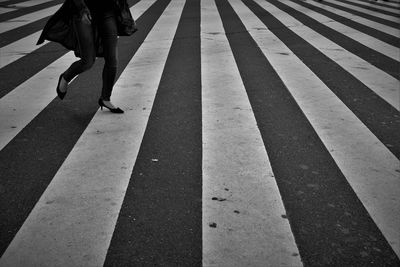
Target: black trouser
(107, 28)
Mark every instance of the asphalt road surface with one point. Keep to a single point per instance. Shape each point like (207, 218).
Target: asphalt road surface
(255, 133)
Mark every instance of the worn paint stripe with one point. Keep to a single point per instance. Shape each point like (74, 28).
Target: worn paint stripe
(315, 193)
(356, 36)
(370, 168)
(374, 112)
(160, 219)
(372, 28)
(240, 195)
(371, 15)
(51, 135)
(380, 82)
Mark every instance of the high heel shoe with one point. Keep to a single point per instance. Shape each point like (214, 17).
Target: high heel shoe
(60, 94)
(113, 110)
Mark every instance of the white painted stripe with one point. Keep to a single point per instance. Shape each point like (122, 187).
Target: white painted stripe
(365, 39)
(31, 3)
(375, 25)
(394, 4)
(73, 222)
(365, 11)
(6, 9)
(21, 105)
(235, 159)
(372, 4)
(377, 80)
(17, 107)
(24, 46)
(368, 165)
(18, 49)
(28, 18)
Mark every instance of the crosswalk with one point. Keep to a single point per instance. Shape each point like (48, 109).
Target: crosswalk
(255, 133)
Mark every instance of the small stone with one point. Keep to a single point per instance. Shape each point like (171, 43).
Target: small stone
(345, 231)
(314, 186)
(303, 166)
(213, 225)
(154, 160)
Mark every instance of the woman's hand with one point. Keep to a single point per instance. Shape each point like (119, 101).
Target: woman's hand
(86, 18)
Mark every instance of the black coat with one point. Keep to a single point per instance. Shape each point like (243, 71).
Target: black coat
(60, 27)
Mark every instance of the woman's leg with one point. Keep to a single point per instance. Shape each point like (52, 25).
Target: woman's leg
(109, 36)
(86, 48)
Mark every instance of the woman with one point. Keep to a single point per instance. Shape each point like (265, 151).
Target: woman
(90, 28)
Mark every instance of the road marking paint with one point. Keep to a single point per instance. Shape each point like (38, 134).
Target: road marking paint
(6, 9)
(28, 18)
(371, 4)
(365, 39)
(31, 3)
(377, 80)
(375, 25)
(17, 107)
(248, 209)
(366, 11)
(73, 222)
(18, 49)
(370, 168)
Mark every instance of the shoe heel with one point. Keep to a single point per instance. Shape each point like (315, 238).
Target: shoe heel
(60, 94)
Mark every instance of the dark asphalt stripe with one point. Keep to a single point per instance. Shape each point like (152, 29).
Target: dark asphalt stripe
(28, 66)
(13, 35)
(377, 59)
(381, 118)
(383, 4)
(384, 37)
(330, 224)
(160, 222)
(377, 10)
(367, 16)
(26, 10)
(11, 2)
(30, 161)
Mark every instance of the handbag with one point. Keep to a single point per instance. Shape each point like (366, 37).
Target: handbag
(126, 25)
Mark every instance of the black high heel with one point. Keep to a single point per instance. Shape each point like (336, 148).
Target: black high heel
(60, 94)
(113, 110)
